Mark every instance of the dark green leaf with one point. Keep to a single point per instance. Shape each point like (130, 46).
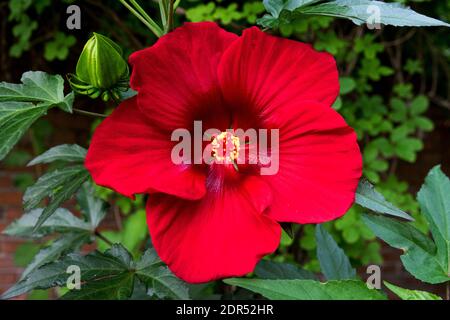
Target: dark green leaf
(308, 289)
(406, 294)
(61, 221)
(266, 269)
(419, 256)
(93, 266)
(22, 104)
(92, 208)
(434, 200)
(67, 243)
(65, 152)
(334, 264)
(58, 185)
(368, 197)
(158, 278)
(15, 119)
(358, 11)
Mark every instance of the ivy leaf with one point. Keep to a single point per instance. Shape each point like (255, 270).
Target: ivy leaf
(67, 243)
(308, 289)
(59, 185)
(158, 278)
(267, 269)
(434, 203)
(92, 208)
(22, 104)
(334, 264)
(358, 11)
(62, 221)
(406, 294)
(64, 152)
(368, 197)
(419, 257)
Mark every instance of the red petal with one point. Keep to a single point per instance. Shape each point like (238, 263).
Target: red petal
(320, 165)
(177, 77)
(224, 234)
(264, 72)
(129, 155)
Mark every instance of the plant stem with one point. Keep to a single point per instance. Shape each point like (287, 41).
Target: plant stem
(163, 11)
(88, 113)
(102, 237)
(170, 17)
(447, 290)
(149, 23)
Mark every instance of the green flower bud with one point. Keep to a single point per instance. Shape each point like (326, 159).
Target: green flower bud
(101, 69)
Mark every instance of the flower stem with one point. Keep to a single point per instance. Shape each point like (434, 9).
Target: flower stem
(143, 16)
(88, 113)
(102, 237)
(169, 26)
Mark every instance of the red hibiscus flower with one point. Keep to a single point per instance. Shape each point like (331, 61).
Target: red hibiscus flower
(214, 221)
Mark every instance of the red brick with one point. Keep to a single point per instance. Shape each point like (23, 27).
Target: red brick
(5, 181)
(13, 198)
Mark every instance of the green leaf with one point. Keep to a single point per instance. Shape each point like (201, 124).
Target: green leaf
(419, 256)
(22, 104)
(406, 294)
(358, 11)
(64, 152)
(116, 287)
(267, 269)
(347, 85)
(92, 208)
(308, 289)
(334, 264)
(15, 119)
(67, 243)
(158, 278)
(434, 200)
(95, 265)
(59, 185)
(368, 197)
(419, 105)
(108, 275)
(62, 221)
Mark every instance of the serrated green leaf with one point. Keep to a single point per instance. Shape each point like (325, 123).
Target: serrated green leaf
(158, 278)
(358, 11)
(308, 289)
(22, 104)
(115, 287)
(368, 197)
(334, 264)
(92, 208)
(406, 294)
(15, 119)
(59, 185)
(66, 243)
(92, 266)
(434, 200)
(64, 152)
(267, 269)
(62, 221)
(419, 256)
